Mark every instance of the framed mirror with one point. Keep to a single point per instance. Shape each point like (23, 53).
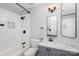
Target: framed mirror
(52, 26)
(69, 20)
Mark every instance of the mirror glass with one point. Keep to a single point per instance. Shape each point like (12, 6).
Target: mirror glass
(52, 26)
(69, 20)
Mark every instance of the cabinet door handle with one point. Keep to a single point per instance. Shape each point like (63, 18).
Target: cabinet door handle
(49, 49)
(46, 49)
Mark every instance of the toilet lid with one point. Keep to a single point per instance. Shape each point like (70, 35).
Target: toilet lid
(30, 51)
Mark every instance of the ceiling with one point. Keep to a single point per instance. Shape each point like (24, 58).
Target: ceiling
(17, 9)
(66, 7)
(30, 5)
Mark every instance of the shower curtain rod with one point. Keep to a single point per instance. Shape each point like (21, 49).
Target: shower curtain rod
(23, 8)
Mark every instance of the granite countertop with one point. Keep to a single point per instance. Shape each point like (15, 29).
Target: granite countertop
(59, 45)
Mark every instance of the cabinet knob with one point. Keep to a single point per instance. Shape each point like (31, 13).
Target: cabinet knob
(46, 49)
(49, 49)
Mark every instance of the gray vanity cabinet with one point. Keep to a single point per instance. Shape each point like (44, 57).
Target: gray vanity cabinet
(54, 52)
(45, 51)
(57, 52)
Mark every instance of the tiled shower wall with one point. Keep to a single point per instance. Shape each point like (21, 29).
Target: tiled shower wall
(9, 37)
(11, 34)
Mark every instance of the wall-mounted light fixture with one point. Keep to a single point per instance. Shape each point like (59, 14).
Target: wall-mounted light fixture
(51, 8)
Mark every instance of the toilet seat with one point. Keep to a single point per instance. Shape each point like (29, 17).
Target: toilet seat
(30, 52)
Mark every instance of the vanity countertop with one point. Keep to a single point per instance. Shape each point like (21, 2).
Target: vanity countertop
(58, 45)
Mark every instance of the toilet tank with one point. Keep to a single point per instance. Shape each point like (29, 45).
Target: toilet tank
(34, 42)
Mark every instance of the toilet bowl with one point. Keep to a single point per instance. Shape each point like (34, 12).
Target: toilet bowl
(33, 49)
(31, 52)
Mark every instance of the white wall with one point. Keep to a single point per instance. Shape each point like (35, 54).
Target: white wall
(38, 18)
(9, 38)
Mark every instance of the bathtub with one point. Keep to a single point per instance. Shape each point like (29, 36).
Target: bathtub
(17, 51)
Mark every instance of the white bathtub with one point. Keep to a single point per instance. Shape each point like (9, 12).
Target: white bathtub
(17, 51)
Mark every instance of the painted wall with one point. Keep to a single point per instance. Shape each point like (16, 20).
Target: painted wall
(38, 18)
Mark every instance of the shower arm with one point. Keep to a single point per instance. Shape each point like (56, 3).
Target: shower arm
(23, 8)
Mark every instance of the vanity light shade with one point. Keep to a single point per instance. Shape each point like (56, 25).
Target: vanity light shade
(54, 7)
(52, 10)
(49, 7)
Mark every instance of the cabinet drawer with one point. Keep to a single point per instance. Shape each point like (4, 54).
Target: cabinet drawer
(65, 53)
(55, 52)
(42, 48)
(43, 51)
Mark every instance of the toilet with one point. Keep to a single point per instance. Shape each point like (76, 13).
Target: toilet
(33, 49)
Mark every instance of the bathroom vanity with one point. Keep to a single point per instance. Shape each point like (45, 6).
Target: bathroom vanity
(56, 49)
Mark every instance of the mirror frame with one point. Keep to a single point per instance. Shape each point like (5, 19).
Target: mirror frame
(75, 23)
(47, 26)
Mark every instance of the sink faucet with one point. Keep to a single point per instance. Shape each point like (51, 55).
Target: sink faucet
(50, 40)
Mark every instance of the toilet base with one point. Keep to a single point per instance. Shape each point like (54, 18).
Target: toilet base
(31, 52)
